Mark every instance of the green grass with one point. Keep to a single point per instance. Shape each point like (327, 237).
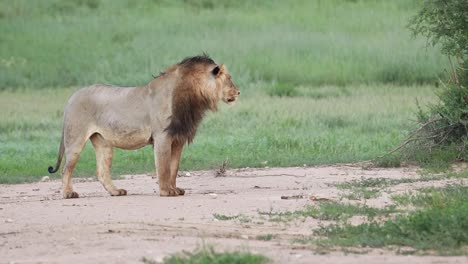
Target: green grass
(284, 131)
(265, 237)
(225, 217)
(385, 182)
(53, 43)
(330, 211)
(367, 188)
(432, 196)
(362, 193)
(207, 255)
(440, 225)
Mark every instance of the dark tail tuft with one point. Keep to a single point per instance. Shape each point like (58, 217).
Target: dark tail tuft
(59, 158)
(51, 169)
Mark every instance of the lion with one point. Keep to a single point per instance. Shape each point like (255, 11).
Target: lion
(164, 113)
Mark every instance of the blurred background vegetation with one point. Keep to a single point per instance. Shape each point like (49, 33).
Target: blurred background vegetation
(323, 81)
(57, 43)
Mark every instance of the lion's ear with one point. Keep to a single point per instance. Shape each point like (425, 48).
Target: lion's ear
(216, 71)
(219, 70)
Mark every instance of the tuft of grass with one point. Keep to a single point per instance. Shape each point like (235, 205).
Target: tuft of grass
(330, 210)
(364, 183)
(368, 182)
(265, 237)
(222, 217)
(146, 260)
(402, 199)
(241, 218)
(432, 197)
(209, 255)
(388, 161)
(362, 193)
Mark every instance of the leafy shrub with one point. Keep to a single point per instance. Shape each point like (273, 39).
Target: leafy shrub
(443, 131)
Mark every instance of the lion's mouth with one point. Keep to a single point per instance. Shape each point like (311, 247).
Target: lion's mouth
(230, 100)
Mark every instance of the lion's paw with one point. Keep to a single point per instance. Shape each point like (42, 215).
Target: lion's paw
(70, 195)
(119, 192)
(180, 191)
(169, 192)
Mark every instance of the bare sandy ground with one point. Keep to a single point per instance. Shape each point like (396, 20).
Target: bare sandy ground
(38, 226)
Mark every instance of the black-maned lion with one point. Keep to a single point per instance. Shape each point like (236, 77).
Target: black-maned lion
(165, 113)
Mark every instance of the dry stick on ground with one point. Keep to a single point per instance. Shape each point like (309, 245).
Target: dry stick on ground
(221, 172)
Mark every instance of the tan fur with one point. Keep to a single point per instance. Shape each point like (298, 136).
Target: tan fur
(132, 117)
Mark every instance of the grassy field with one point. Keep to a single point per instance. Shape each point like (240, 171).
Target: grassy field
(52, 43)
(322, 81)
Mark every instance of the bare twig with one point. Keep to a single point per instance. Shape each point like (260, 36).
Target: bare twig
(411, 138)
(221, 172)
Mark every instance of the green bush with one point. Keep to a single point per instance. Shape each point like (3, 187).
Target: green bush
(442, 136)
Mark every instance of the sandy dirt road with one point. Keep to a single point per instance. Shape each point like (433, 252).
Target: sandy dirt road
(38, 226)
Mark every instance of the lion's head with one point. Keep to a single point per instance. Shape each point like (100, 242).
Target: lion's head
(202, 84)
(208, 79)
(224, 84)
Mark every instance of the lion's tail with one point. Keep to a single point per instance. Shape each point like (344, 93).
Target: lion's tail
(59, 159)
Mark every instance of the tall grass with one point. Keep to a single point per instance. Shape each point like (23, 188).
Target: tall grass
(53, 43)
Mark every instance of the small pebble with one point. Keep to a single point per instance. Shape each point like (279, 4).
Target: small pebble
(244, 236)
(213, 195)
(187, 174)
(45, 179)
(9, 220)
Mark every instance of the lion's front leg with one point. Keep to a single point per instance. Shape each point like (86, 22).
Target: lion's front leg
(162, 157)
(176, 152)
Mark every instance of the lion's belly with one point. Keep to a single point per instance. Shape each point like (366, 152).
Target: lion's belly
(127, 138)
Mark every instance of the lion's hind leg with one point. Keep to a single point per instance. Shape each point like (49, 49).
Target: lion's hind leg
(67, 171)
(73, 148)
(104, 154)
